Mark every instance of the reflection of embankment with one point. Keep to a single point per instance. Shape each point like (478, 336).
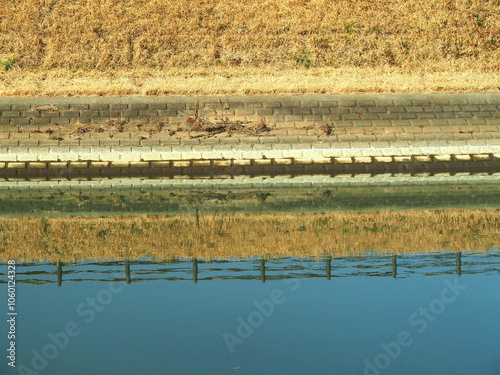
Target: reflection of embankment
(243, 194)
(243, 235)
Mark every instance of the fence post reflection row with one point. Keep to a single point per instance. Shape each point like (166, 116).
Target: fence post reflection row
(328, 268)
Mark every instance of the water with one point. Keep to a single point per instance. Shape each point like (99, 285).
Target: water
(410, 314)
(367, 314)
(126, 196)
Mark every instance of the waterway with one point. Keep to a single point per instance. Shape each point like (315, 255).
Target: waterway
(367, 312)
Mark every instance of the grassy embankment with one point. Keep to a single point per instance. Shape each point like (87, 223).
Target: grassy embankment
(243, 235)
(166, 47)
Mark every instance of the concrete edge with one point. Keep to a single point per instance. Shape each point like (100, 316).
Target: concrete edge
(85, 163)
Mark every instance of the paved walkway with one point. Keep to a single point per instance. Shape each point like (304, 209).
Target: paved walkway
(103, 133)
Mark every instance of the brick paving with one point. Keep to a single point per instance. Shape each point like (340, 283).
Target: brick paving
(37, 133)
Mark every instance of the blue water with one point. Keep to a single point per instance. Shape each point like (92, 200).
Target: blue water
(307, 325)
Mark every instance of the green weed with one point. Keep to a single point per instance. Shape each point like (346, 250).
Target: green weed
(304, 58)
(8, 64)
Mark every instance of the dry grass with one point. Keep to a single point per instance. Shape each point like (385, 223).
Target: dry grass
(197, 123)
(247, 81)
(243, 235)
(200, 126)
(136, 47)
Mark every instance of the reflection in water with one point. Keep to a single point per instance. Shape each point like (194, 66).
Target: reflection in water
(195, 270)
(395, 266)
(146, 316)
(263, 270)
(244, 235)
(59, 273)
(127, 271)
(249, 195)
(194, 265)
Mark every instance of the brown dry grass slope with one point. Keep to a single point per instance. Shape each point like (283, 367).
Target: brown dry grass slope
(244, 235)
(156, 47)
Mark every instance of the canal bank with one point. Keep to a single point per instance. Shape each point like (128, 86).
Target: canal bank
(251, 135)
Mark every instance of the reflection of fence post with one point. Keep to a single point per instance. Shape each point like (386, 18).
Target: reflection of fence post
(195, 270)
(127, 271)
(328, 267)
(59, 273)
(263, 270)
(394, 265)
(458, 257)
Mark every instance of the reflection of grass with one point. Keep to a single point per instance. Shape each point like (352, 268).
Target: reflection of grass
(243, 235)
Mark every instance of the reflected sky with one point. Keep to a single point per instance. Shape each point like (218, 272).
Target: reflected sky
(428, 322)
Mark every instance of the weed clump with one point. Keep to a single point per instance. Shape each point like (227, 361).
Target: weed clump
(304, 58)
(8, 64)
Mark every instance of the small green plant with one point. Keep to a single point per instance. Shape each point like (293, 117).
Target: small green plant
(406, 47)
(351, 27)
(103, 233)
(304, 58)
(479, 21)
(372, 30)
(8, 63)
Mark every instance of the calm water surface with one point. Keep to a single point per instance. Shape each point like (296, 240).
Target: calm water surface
(411, 314)
(371, 314)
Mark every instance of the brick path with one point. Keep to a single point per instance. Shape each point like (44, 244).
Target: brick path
(38, 133)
